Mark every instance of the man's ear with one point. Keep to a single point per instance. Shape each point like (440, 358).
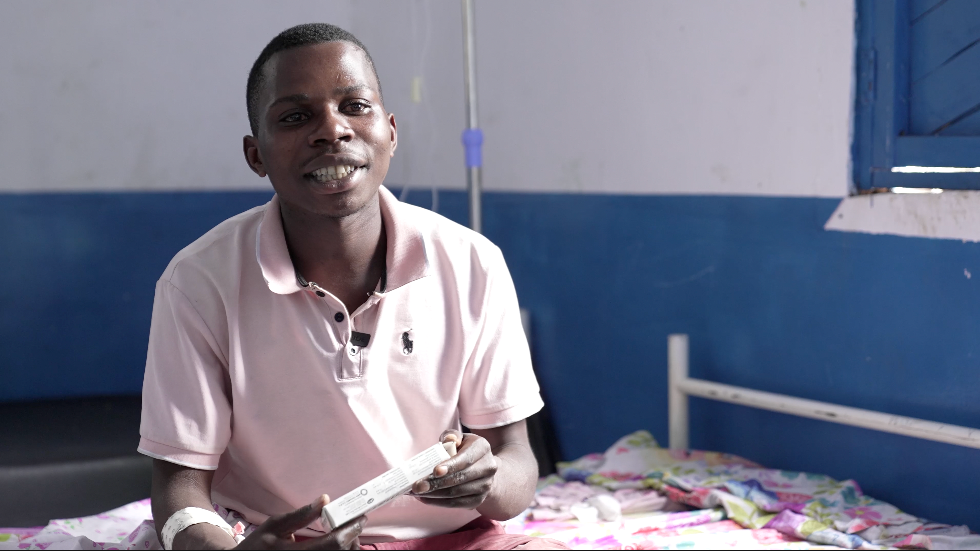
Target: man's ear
(250, 147)
(394, 134)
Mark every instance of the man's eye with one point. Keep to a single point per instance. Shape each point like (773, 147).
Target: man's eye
(357, 106)
(295, 117)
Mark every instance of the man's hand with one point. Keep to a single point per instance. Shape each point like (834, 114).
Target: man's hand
(493, 472)
(277, 532)
(463, 481)
(176, 487)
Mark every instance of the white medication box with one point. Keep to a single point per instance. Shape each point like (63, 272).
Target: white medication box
(386, 487)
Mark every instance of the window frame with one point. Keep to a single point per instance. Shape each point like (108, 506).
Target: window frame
(881, 110)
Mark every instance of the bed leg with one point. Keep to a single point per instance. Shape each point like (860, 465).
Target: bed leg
(677, 354)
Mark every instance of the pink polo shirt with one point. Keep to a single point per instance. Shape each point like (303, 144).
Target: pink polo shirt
(254, 375)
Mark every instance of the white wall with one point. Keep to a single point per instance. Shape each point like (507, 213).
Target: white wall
(619, 96)
(747, 97)
(119, 95)
(419, 38)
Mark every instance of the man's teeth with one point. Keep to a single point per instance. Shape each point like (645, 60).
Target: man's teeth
(332, 172)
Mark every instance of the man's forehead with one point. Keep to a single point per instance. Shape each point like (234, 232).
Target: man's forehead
(340, 65)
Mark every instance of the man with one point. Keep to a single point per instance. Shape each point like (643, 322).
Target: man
(308, 345)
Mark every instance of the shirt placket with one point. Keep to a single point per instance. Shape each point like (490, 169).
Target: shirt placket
(357, 354)
(349, 357)
(352, 357)
(350, 360)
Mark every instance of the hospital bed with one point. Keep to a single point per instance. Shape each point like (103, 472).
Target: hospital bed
(702, 499)
(736, 503)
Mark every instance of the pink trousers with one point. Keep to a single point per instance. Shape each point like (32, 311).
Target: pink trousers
(482, 533)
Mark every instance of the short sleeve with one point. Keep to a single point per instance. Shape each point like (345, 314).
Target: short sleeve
(186, 417)
(499, 386)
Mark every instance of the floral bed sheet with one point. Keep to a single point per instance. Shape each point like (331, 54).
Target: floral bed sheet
(128, 527)
(636, 495)
(760, 507)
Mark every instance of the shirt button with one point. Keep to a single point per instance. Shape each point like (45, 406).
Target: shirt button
(353, 351)
(339, 316)
(321, 294)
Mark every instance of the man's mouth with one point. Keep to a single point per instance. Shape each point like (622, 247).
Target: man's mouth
(331, 173)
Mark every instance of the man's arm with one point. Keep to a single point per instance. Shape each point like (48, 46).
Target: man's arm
(176, 487)
(517, 471)
(494, 472)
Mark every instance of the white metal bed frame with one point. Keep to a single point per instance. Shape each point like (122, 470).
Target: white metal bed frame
(682, 386)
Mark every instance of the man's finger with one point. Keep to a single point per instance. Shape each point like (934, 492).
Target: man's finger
(285, 524)
(468, 502)
(343, 537)
(483, 470)
(444, 468)
(473, 449)
(449, 472)
(471, 488)
(485, 467)
(452, 435)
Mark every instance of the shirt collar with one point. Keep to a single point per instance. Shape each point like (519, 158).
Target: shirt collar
(405, 260)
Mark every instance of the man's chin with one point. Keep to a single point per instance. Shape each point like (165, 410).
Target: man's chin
(334, 205)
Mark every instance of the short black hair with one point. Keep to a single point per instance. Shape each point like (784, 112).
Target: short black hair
(306, 34)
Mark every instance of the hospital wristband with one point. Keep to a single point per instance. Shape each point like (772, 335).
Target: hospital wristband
(190, 516)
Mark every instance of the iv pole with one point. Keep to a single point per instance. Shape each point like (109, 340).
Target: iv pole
(473, 142)
(472, 136)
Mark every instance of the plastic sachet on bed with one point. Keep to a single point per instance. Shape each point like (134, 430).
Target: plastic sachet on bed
(560, 500)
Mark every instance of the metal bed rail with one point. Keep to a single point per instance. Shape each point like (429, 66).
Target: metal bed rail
(682, 386)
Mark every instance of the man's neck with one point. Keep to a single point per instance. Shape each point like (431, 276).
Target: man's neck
(345, 256)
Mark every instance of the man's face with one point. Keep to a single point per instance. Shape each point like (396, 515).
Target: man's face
(324, 138)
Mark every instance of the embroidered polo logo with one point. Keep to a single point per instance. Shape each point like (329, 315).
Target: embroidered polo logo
(407, 344)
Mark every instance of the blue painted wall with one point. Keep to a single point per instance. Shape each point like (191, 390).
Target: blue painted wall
(76, 286)
(770, 300)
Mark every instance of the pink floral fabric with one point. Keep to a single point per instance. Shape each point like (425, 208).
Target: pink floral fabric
(736, 504)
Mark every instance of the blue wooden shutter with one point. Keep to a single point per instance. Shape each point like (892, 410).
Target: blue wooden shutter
(918, 92)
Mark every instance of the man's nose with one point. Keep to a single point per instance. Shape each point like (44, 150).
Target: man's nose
(333, 127)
